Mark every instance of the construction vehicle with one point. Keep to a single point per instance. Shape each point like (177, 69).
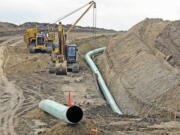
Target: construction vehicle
(39, 39)
(64, 57)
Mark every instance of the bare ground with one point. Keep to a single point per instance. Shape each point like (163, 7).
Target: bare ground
(25, 81)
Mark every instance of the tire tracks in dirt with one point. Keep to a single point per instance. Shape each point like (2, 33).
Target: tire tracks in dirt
(11, 99)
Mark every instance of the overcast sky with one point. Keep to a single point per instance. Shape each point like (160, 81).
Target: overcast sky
(115, 14)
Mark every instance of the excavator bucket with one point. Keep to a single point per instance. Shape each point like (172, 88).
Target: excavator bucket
(52, 68)
(61, 68)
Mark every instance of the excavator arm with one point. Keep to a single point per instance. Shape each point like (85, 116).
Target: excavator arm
(62, 61)
(62, 39)
(63, 35)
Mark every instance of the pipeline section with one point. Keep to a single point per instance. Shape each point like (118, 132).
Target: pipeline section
(101, 81)
(71, 115)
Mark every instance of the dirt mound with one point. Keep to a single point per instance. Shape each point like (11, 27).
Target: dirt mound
(133, 72)
(168, 42)
(87, 127)
(87, 44)
(148, 30)
(20, 61)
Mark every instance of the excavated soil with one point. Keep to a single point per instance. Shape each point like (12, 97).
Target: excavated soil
(138, 74)
(168, 42)
(24, 82)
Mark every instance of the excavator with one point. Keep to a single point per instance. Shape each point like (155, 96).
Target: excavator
(64, 57)
(40, 38)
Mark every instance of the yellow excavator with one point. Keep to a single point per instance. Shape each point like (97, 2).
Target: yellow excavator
(40, 38)
(64, 57)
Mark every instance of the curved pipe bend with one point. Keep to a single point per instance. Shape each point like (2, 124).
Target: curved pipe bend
(100, 79)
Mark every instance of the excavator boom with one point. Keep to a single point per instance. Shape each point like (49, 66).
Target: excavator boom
(92, 4)
(66, 58)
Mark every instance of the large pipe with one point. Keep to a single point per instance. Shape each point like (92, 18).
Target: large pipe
(70, 115)
(101, 81)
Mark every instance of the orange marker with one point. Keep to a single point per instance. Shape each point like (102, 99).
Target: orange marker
(69, 100)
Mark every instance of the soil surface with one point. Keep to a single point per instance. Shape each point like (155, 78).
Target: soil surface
(25, 81)
(138, 74)
(168, 42)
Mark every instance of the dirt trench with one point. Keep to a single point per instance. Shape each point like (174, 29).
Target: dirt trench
(25, 81)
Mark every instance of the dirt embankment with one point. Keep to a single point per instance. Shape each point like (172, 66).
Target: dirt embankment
(4, 26)
(7, 29)
(90, 43)
(168, 42)
(136, 71)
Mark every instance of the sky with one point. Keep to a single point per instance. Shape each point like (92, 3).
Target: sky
(111, 14)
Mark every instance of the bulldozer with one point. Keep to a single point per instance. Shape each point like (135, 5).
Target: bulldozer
(39, 39)
(64, 57)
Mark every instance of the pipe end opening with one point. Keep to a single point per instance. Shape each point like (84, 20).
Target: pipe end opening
(74, 114)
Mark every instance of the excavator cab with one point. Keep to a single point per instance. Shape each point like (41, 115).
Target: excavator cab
(72, 58)
(72, 53)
